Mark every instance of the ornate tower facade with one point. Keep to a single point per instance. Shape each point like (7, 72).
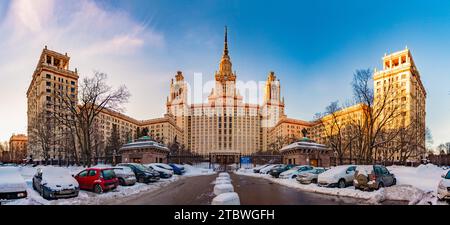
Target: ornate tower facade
(272, 109)
(177, 104)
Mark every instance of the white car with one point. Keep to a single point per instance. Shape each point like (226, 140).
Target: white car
(443, 191)
(339, 176)
(125, 175)
(295, 171)
(258, 168)
(163, 173)
(267, 169)
(12, 184)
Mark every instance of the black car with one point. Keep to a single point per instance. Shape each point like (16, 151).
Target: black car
(275, 172)
(143, 174)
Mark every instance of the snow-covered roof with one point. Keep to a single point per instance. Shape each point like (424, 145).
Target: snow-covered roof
(144, 143)
(305, 145)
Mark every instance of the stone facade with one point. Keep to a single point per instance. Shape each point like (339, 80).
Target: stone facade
(18, 147)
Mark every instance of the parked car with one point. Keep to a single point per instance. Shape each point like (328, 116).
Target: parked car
(163, 166)
(12, 184)
(443, 191)
(54, 183)
(97, 179)
(295, 171)
(310, 176)
(163, 173)
(177, 169)
(373, 177)
(275, 172)
(258, 168)
(125, 175)
(267, 169)
(143, 174)
(339, 176)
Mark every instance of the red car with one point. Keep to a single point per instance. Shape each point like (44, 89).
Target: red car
(97, 179)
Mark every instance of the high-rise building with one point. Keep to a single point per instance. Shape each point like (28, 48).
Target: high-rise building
(51, 78)
(225, 126)
(400, 81)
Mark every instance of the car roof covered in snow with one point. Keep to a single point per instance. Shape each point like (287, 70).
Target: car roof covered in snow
(11, 180)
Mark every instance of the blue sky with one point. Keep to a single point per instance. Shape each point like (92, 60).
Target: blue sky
(313, 47)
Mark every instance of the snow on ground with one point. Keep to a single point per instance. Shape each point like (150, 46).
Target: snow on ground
(91, 198)
(197, 170)
(417, 185)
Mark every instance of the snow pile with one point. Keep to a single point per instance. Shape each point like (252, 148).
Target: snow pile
(231, 198)
(226, 175)
(223, 188)
(196, 171)
(424, 177)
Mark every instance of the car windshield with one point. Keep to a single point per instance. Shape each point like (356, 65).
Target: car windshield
(317, 171)
(448, 175)
(108, 174)
(141, 167)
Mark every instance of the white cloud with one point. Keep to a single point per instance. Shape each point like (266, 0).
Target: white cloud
(94, 37)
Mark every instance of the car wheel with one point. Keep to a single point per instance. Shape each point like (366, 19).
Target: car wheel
(380, 185)
(341, 183)
(295, 176)
(122, 181)
(394, 182)
(98, 189)
(44, 194)
(141, 180)
(314, 181)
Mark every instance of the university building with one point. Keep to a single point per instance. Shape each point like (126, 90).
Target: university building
(225, 126)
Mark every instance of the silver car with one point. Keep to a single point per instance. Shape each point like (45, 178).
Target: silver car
(125, 175)
(310, 176)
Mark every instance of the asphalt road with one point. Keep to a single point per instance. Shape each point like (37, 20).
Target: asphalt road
(252, 191)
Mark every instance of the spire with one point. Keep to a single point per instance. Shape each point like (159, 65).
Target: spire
(225, 48)
(225, 67)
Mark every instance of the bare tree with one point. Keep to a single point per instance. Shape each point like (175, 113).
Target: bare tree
(381, 114)
(94, 97)
(42, 130)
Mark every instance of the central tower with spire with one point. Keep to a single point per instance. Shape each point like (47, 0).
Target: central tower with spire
(225, 72)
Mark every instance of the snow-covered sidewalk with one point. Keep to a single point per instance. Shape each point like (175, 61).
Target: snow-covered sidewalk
(416, 185)
(90, 198)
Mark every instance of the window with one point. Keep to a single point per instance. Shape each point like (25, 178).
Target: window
(48, 76)
(83, 174)
(48, 84)
(92, 173)
(72, 82)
